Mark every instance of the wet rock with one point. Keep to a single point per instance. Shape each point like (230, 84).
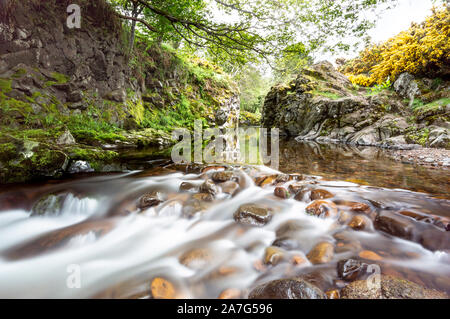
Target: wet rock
(289, 227)
(209, 187)
(303, 194)
(294, 188)
(322, 253)
(149, 200)
(320, 194)
(298, 260)
(425, 218)
(295, 177)
(224, 176)
(161, 288)
(273, 255)
(229, 187)
(394, 225)
(49, 205)
(188, 187)
(196, 258)
(287, 243)
(370, 255)
(322, 209)
(205, 197)
(434, 239)
(253, 215)
(194, 207)
(351, 269)
(359, 222)
(389, 288)
(344, 217)
(281, 192)
(359, 207)
(230, 293)
(265, 180)
(332, 294)
(294, 288)
(80, 167)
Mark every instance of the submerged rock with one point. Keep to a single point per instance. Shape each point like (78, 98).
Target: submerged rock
(49, 205)
(322, 253)
(149, 200)
(389, 288)
(253, 215)
(322, 209)
(293, 288)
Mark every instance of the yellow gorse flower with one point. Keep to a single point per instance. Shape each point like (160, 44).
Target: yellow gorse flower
(420, 47)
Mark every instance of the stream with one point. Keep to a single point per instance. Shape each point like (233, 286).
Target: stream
(94, 236)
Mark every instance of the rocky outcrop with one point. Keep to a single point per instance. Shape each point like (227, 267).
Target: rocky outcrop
(322, 105)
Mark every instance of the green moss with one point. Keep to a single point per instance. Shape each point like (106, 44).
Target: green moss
(329, 95)
(8, 151)
(5, 85)
(95, 157)
(19, 73)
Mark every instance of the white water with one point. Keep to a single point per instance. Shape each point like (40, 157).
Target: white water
(142, 246)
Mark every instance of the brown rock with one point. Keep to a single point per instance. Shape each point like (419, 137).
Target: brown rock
(229, 187)
(206, 197)
(294, 188)
(359, 222)
(289, 227)
(281, 192)
(196, 258)
(434, 239)
(188, 187)
(322, 209)
(162, 289)
(322, 253)
(224, 176)
(367, 254)
(351, 269)
(320, 194)
(149, 200)
(253, 215)
(298, 260)
(209, 187)
(294, 288)
(394, 225)
(273, 255)
(389, 288)
(230, 293)
(332, 294)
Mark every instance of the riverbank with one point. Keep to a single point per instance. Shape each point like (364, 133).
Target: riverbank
(428, 157)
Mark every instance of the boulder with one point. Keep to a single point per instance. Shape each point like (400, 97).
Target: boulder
(294, 288)
(253, 215)
(389, 288)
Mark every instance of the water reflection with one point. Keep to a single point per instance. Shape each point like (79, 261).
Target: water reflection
(362, 165)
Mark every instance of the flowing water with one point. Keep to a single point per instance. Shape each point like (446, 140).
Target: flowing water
(95, 235)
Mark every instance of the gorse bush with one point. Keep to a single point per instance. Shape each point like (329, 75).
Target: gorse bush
(423, 50)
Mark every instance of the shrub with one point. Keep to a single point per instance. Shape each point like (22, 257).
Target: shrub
(422, 50)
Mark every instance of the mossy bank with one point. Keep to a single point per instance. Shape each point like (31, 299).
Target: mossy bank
(79, 94)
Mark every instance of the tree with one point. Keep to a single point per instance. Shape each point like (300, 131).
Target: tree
(247, 30)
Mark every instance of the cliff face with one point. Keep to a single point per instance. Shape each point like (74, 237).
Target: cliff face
(322, 105)
(74, 94)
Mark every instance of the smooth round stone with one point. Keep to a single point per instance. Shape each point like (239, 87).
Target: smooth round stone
(253, 215)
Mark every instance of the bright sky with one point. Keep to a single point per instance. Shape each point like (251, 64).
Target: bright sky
(393, 22)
